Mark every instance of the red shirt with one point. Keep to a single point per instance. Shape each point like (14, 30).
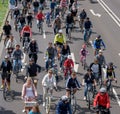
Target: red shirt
(102, 100)
(39, 16)
(27, 30)
(69, 63)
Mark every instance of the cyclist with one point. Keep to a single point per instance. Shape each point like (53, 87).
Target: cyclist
(74, 13)
(72, 83)
(83, 53)
(29, 19)
(32, 70)
(101, 59)
(96, 69)
(82, 17)
(71, 3)
(50, 56)
(102, 100)
(87, 31)
(7, 29)
(88, 81)
(6, 67)
(63, 6)
(48, 82)
(63, 106)
(42, 4)
(16, 13)
(33, 50)
(12, 4)
(29, 92)
(35, 7)
(98, 43)
(52, 7)
(110, 74)
(26, 33)
(17, 56)
(40, 17)
(57, 10)
(21, 22)
(57, 24)
(59, 39)
(69, 22)
(64, 54)
(10, 46)
(68, 66)
(47, 16)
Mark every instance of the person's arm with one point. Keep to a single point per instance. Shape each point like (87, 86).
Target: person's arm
(38, 68)
(35, 91)
(78, 83)
(103, 44)
(94, 44)
(108, 102)
(114, 73)
(69, 50)
(44, 80)
(23, 91)
(95, 101)
(100, 70)
(69, 108)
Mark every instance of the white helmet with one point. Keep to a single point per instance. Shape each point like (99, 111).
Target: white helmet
(102, 90)
(60, 31)
(64, 98)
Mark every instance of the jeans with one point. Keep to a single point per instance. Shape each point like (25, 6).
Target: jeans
(86, 88)
(68, 26)
(97, 76)
(87, 34)
(49, 63)
(34, 56)
(17, 64)
(56, 29)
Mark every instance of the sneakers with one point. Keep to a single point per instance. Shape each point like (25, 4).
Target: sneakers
(84, 98)
(43, 104)
(2, 86)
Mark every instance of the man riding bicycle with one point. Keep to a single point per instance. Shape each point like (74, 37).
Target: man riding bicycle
(33, 50)
(88, 81)
(98, 43)
(6, 68)
(26, 33)
(17, 56)
(48, 82)
(59, 39)
(68, 66)
(102, 101)
(63, 106)
(72, 83)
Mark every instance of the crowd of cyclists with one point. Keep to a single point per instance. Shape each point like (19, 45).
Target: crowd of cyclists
(59, 11)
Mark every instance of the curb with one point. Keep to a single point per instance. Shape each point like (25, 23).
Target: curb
(5, 19)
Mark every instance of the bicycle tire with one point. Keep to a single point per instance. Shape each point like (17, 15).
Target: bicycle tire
(4, 91)
(89, 99)
(73, 104)
(48, 102)
(6, 40)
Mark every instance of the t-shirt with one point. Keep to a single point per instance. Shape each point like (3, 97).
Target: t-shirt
(89, 79)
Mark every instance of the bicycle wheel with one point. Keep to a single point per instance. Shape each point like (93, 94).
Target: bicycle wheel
(89, 98)
(4, 91)
(48, 102)
(69, 33)
(73, 104)
(6, 40)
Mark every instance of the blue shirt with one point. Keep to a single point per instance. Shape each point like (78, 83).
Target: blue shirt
(31, 112)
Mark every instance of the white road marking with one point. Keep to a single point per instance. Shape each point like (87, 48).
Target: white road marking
(75, 65)
(95, 14)
(44, 35)
(110, 12)
(115, 93)
(119, 54)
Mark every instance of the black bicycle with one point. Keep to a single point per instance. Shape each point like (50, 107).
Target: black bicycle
(7, 94)
(90, 95)
(40, 26)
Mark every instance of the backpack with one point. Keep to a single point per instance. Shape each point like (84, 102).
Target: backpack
(98, 43)
(12, 2)
(83, 52)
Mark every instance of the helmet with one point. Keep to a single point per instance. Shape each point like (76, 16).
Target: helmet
(6, 57)
(64, 98)
(83, 46)
(102, 90)
(31, 59)
(69, 57)
(110, 64)
(99, 36)
(60, 31)
(57, 16)
(100, 51)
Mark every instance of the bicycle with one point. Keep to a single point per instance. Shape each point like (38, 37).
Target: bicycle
(81, 22)
(84, 64)
(101, 110)
(40, 26)
(26, 42)
(7, 37)
(90, 95)
(7, 94)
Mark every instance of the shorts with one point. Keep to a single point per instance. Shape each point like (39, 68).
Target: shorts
(6, 77)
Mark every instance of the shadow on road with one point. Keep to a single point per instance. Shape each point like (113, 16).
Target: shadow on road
(4, 111)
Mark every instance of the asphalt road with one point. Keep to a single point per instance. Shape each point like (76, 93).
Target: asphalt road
(103, 25)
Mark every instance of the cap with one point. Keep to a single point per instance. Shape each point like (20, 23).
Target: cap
(102, 90)
(69, 57)
(64, 98)
(60, 31)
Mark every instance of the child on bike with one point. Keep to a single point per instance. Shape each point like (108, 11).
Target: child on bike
(83, 53)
